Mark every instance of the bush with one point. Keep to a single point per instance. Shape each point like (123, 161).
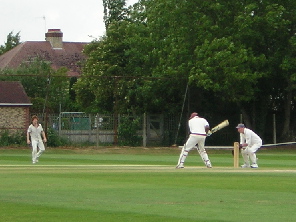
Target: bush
(8, 139)
(54, 140)
(127, 132)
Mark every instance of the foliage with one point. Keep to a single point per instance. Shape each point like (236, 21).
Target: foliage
(114, 10)
(47, 88)
(8, 139)
(54, 140)
(12, 41)
(128, 131)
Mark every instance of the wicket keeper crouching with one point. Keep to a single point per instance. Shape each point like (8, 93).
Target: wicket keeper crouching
(250, 142)
(198, 132)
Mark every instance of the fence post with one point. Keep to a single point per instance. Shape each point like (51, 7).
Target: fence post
(274, 129)
(97, 130)
(144, 130)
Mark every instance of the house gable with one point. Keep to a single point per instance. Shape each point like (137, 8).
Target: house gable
(14, 107)
(12, 93)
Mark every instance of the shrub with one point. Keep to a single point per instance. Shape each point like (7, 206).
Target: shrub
(8, 139)
(128, 132)
(54, 140)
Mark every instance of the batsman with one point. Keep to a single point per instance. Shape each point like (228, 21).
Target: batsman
(199, 128)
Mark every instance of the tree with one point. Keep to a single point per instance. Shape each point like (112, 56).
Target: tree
(45, 86)
(12, 41)
(245, 60)
(114, 10)
(229, 52)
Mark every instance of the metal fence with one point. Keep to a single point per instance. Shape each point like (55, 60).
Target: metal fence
(99, 129)
(151, 129)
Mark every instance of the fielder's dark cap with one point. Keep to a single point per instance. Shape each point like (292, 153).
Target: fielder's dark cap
(240, 126)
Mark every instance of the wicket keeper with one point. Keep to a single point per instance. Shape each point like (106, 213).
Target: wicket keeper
(250, 142)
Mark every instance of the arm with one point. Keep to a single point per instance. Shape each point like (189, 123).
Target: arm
(44, 137)
(243, 141)
(207, 128)
(28, 138)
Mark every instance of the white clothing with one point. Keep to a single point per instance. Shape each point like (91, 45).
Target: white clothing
(35, 132)
(197, 125)
(197, 137)
(36, 141)
(254, 143)
(250, 138)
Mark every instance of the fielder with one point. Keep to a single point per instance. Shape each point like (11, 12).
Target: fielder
(250, 142)
(34, 133)
(199, 128)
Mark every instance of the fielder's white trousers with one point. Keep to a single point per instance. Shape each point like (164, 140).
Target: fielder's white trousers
(191, 142)
(249, 154)
(35, 145)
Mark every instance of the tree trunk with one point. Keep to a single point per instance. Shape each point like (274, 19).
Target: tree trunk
(287, 118)
(246, 117)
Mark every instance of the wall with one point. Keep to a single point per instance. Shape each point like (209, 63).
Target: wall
(14, 119)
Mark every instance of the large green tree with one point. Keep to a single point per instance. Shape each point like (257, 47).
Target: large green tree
(238, 54)
(251, 62)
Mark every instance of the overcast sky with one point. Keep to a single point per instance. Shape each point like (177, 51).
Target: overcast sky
(77, 19)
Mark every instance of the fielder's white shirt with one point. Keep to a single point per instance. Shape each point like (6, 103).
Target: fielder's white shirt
(35, 132)
(250, 138)
(197, 125)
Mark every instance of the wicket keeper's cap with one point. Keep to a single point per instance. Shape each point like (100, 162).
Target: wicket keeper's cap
(193, 115)
(240, 126)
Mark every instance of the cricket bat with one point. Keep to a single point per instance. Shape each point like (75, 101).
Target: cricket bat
(218, 127)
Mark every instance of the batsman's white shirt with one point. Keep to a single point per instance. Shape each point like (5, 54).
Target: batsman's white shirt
(250, 138)
(35, 132)
(197, 125)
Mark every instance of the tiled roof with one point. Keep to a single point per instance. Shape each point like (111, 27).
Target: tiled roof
(68, 56)
(12, 93)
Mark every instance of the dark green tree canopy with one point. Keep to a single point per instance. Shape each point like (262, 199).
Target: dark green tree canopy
(237, 53)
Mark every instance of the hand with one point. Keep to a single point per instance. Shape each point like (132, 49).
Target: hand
(209, 133)
(28, 142)
(44, 140)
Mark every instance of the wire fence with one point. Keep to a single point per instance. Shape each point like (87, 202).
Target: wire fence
(102, 129)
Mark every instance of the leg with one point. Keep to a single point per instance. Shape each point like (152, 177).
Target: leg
(34, 150)
(245, 155)
(185, 150)
(41, 150)
(202, 152)
(252, 154)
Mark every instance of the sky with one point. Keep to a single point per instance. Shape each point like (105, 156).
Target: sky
(80, 21)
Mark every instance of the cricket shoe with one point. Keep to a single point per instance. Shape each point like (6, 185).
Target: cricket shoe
(180, 167)
(254, 165)
(208, 164)
(245, 166)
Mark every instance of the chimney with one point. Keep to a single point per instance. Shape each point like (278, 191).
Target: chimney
(55, 37)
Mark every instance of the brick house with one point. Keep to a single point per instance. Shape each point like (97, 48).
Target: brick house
(14, 107)
(53, 49)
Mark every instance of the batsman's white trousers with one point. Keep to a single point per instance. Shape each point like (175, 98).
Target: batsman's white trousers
(249, 153)
(37, 144)
(191, 142)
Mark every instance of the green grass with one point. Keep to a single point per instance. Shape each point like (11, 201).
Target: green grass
(143, 185)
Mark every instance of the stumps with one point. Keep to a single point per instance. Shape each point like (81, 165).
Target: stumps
(236, 155)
